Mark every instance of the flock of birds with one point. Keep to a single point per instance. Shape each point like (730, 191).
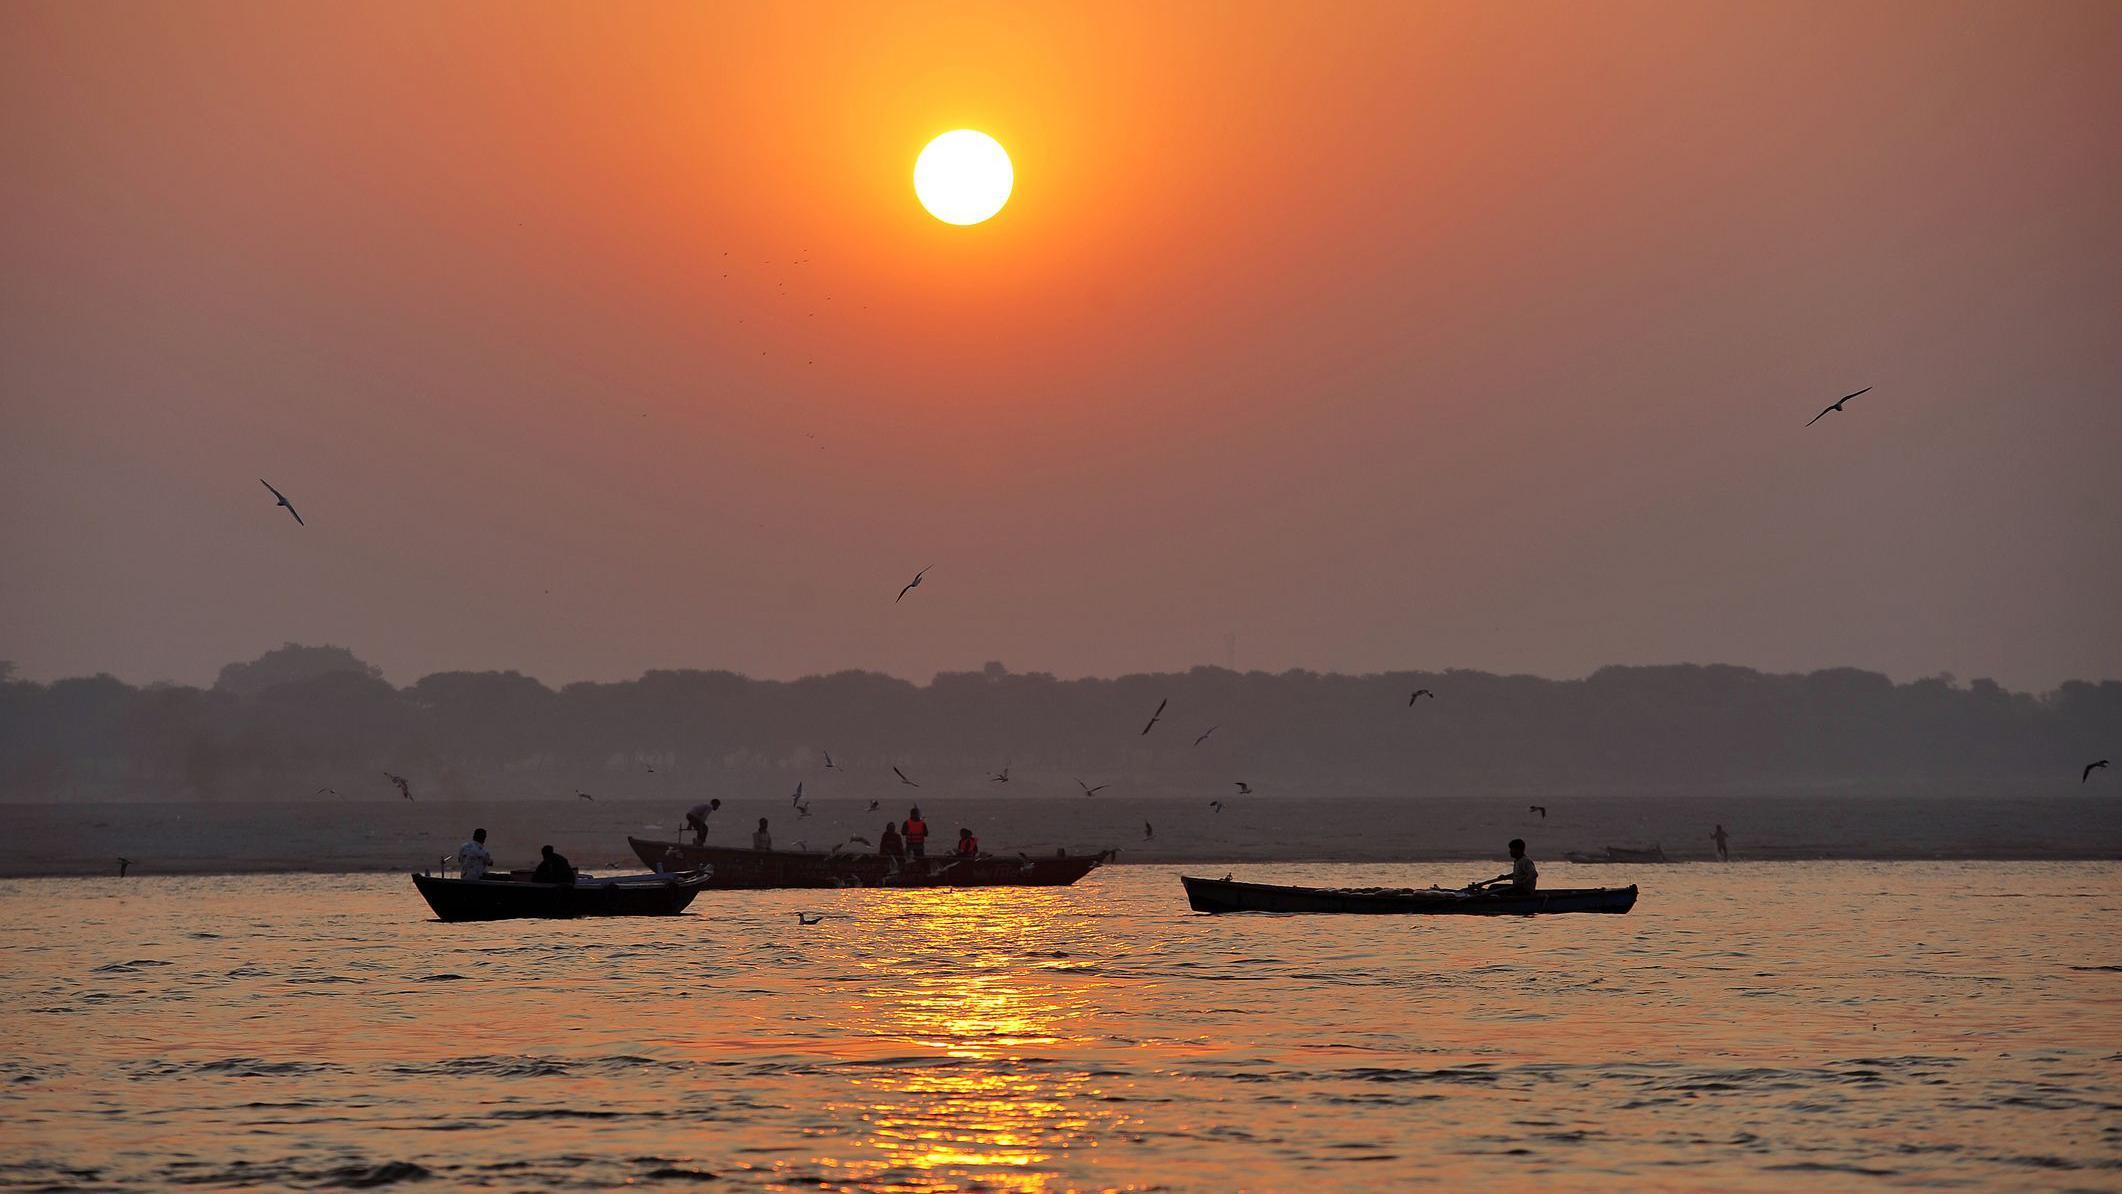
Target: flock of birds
(1149, 832)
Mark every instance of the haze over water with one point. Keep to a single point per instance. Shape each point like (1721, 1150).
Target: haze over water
(1747, 1027)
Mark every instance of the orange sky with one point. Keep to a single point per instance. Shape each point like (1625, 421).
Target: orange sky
(1381, 336)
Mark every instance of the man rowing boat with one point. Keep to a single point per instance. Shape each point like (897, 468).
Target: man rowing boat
(1523, 876)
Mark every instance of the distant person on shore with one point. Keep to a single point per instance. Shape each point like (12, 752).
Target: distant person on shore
(696, 820)
(761, 839)
(1523, 876)
(891, 845)
(968, 845)
(472, 859)
(553, 867)
(1723, 851)
(916, 831)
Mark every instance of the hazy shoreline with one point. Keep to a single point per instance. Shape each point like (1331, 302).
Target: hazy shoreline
(396, 836)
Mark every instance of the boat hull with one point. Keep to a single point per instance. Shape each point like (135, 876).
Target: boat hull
(516, 899)
(734, 869)
(1223, 895)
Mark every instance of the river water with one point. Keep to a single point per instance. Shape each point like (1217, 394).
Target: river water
(1750, 1026)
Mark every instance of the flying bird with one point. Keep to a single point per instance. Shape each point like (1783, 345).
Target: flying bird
(902, 778)
(2089, 769)
(1205, 733)
(1537, 808)
(322, 791)
(999, 777)
(1419, 693)
(404, 789)
(1244, 789)
(911, 585)
(1835, 405)
(797, 799)
(1148, 831)
(802, 810)
(647, 768)
(586, 796)
(1155, 716)
(872, 806)
(1216, 804)
(122, 864)
(1090, 791)
(829, 761)
(809, 918)
(283, 502)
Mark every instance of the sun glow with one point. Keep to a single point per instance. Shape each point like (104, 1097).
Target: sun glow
(963, 177)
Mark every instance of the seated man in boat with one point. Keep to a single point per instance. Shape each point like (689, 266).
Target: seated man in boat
(696, 820)
(472, 859)
(553, 867)
(1523, 876)
(761, 839)
(968, 845)
(891, 845)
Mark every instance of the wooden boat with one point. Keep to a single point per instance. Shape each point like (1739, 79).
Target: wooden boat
(506, 896)
(1223, 895)
(1618, 854)
(737, 868)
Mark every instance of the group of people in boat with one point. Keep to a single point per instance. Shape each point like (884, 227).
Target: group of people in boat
(474, 861)
(900, 840)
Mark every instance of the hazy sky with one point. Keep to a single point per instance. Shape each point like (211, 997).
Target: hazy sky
(596, 338)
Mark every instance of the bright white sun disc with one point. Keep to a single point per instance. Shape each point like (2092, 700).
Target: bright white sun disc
(963, 177)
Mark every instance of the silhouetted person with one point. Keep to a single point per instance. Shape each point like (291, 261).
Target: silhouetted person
(1723, 851)
(696, 820)
(1523, 876)
(891, 845)
(916, 832)
(968, 845)
(553, 867)
(472, 859)
(761, 839)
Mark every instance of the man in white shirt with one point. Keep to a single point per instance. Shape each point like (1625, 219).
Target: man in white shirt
(696, 820)
(472, 858)
(1524, 877)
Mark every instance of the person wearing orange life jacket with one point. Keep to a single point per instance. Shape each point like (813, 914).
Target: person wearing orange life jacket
(968, 845)
(916, 833)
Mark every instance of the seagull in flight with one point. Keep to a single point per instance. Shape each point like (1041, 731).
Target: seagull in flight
(283, 501)
(404, 789)
(586, 796)
(122, 864)
(797, 799)
(872, 806)
(1205, 733)
(2089, 769)
(1148, 831)
(829, 764)
(322, 791)
(1537, 808)
(1419, 693)
(902, 778)
(911, 585)
(1154, 717)
(1244, 789)
(809, 918)
(1090, 791)
(1835, 405)
(1216, 804)
(999, 777)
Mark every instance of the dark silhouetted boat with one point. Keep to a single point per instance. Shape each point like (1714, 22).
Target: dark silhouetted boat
(503, 896)
(1223, 895)
(1618, 854)
(738, 868)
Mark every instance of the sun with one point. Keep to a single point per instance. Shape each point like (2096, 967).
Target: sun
(963, 177)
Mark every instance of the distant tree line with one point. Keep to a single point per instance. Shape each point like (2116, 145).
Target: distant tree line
(303, 718)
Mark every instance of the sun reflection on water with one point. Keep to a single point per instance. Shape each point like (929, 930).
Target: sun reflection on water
(982, 1087)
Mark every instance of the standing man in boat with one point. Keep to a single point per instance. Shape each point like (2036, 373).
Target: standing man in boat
(472, 859)
(916, 831)
(1523, 876)
(761, 839)
(1717, 835)
(696, 820)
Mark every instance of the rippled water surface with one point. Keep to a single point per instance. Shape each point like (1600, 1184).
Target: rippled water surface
(1749, 1026)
